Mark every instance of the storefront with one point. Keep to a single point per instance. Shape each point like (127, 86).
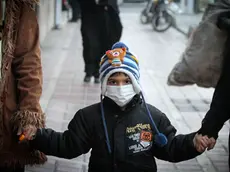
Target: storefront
(200, 5)
(194, 6)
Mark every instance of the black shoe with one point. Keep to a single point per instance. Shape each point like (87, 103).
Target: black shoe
(87, 79)
(73, 20)
(97, 80)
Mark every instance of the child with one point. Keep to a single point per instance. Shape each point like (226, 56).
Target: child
(123, 131)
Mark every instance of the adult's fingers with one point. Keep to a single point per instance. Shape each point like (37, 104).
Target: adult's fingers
(204, 142)
(29, 133)
(212, 143)
(19, 131)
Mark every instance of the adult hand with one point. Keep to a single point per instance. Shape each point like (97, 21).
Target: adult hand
(27, 133)
(202, 143)
(212, 144)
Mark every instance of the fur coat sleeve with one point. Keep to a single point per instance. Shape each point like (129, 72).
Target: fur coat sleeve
(28, 71)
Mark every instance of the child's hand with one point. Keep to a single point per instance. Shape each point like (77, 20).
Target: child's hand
(201, 143)
(27, 133)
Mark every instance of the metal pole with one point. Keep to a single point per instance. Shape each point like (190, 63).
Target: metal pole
(58, 14)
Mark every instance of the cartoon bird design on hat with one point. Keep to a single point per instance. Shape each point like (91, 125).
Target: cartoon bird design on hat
(116, 56)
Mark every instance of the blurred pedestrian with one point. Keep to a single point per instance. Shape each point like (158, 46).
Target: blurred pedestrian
(20, 83)
(75, 10)
(101, 28)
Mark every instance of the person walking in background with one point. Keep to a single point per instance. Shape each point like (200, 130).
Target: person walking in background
(20, 83)
(75, 10)
(100, 28)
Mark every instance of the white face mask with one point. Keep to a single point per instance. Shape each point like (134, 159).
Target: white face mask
(121, 95)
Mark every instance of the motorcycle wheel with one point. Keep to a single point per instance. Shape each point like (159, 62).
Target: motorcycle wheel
(156, 22)
(144, 17)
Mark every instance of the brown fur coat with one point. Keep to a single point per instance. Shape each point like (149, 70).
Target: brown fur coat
(21, 83)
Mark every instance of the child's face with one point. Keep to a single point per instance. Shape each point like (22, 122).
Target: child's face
(119, 79)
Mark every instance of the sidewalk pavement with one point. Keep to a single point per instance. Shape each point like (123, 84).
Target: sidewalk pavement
(184, 21)
(65, 93)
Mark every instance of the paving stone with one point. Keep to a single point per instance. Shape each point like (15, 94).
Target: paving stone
(189, 167)
(186, 108)
(69, 115)
(192, 119)
(218, 151)
(179, 101)
(65, 125)
(56, 125)
(49, 166)
(221, 166)
(201, 107)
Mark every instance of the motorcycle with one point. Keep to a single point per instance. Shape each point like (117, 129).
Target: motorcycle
(162, 20)
(160, 13)
(148, 12)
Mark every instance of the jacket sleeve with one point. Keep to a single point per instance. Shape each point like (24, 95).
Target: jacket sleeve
(26, 67)
(73, 142)
(219, 111)
(179, 148)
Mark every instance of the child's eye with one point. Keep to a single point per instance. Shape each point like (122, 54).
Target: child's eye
(112, 82)
(128, 82)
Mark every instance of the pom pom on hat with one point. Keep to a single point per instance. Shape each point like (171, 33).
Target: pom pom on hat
(119, 45)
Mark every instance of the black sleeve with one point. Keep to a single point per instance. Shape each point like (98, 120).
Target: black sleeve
(219, 111)
(179, 148)
(223, 21)
(70, 144)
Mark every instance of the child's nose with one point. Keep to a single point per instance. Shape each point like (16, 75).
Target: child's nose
(121, 83)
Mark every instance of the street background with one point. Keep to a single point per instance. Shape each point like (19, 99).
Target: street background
(64, 91)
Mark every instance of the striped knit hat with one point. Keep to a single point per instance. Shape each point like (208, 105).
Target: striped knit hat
(119, 59)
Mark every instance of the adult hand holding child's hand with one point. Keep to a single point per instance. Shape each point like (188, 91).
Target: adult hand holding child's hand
(27, 133)
(202, 143)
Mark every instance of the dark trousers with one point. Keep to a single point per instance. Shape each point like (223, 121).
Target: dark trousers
(75, 9)
(17, 169)
(100, 30)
